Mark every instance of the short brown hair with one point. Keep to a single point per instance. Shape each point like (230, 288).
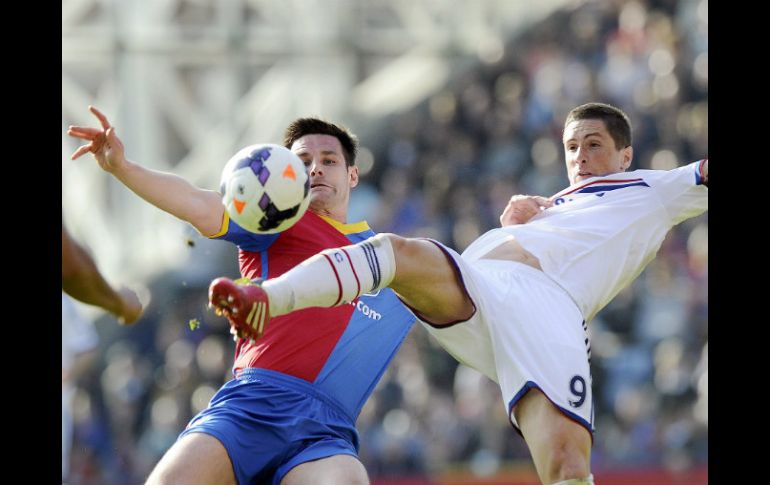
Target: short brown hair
(316, 126)
(616, 121)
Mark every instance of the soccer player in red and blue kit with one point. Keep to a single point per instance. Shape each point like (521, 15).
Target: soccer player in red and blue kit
(289, 414)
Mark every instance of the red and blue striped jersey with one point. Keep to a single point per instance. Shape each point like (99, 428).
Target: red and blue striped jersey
(344, 350)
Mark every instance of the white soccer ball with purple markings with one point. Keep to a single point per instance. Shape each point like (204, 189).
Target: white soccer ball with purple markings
(265, 188)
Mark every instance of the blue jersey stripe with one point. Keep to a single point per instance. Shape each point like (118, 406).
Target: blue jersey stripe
(607, 188)
(264, 260)
(376, 329)
(698, 172)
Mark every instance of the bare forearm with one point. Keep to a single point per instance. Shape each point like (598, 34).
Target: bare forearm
(175, 195)
(171, 193)
(82, 280)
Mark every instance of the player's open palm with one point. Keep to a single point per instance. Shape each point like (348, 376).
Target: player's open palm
(522, 208)
(103, 143)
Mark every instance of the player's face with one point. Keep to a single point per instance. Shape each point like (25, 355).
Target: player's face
(590, 151)
(330, 177)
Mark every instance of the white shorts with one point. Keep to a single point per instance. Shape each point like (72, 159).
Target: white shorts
(526, 333)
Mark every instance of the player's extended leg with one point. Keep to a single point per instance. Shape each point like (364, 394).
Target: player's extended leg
(196, 459)
(416, 269)
(428, 281)
(560, 447)
(328, 471)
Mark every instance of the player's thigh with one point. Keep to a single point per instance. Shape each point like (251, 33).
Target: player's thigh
(560, 447)
(333, 470)
(195, 459)
(428, 281)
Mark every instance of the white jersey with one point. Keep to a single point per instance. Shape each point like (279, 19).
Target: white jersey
(601, 233)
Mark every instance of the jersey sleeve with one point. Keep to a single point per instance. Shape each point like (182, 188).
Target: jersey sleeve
(682, 190)
(244, 239)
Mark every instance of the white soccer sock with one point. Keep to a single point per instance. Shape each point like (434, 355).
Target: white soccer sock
(589, 480)
(333, 277)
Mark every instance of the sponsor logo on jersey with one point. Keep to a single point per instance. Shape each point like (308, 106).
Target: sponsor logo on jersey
(368, 311)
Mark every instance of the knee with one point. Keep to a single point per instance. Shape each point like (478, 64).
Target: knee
(567, 462)
(397, 242)
(404, 249)
(589, 480)
(560, 447)
(401, 248)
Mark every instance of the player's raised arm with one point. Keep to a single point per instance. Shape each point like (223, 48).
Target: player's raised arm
(169, 192)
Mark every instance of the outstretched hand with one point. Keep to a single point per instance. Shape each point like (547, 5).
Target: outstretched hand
(103, 143)
(522, 208)
(131, 306)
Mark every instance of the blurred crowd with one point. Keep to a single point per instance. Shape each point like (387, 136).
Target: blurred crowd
(445, 170)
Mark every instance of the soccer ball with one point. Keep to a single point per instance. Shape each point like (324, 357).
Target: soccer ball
(265, 188)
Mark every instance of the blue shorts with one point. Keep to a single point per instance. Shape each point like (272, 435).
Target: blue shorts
(270, 422)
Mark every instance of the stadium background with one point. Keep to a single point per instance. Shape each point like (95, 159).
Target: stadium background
(458, 106)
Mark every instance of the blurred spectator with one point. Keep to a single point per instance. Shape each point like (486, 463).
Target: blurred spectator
(78, 352)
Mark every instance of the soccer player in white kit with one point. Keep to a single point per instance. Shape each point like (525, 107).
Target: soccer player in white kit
(515, 304)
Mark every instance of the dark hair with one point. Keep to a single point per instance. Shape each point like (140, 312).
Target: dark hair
(614, 119)
(315, 126)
